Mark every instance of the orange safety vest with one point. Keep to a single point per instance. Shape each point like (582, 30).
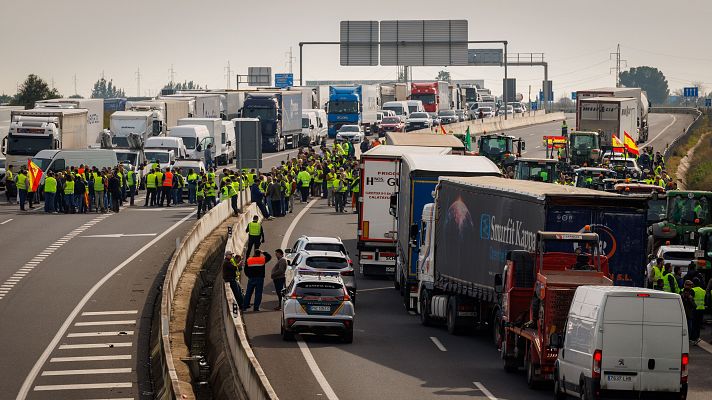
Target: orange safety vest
(168, 179)
(256, 261)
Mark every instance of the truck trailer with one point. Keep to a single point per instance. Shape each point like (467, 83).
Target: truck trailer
(352, 105)
(95, 113)
(623, 92)
(376, 231)
(434, 95)
(280, 114)
(418, 176)
(609, 116)
(166, 112)
(475, 223)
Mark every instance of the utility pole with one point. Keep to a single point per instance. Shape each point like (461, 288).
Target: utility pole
(617, 68)
(290, 59)
(75, 84)
(172, 74)
(228, 73)
(138, 81)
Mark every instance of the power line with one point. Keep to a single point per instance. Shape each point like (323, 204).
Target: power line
(669, 55)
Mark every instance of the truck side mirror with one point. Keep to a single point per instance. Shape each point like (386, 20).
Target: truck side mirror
(229, 143)
(413, 231)
(498, 283)
(393, 208)
(199, 148)
(556, 340)
(524, 145)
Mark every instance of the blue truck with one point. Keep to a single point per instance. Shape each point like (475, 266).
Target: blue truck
(280, 115)
(418, 177)
(475, 223)
(352, 105)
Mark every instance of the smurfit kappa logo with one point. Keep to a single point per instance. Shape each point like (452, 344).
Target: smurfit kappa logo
(485, 226)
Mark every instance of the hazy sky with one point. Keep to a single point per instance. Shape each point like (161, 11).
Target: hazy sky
(58, 39)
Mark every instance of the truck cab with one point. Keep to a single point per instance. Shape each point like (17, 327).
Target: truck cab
(344, 107)
(500, 148)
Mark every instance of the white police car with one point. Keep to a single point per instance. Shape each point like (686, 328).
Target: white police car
(317, 302)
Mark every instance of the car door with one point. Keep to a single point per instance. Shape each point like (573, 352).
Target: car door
(661, 352)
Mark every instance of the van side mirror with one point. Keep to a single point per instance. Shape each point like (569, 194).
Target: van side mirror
(199, 148)
(556, 340)
(498, 283)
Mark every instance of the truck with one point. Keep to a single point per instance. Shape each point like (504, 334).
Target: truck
(474, 224)
(202, 105)
(470, 93)
(502, 149)
(5, 119)
(166, 112)
(122, 124)
(636, 93)
(434, 95)
(398, 91)
(44, 129)
(280, 114)
(687, 211)
(221, 149)
(537, 288)
(417, 179)
(608, 116)
(352, 105)
(426, 140)
(95, 113)
(376, 230)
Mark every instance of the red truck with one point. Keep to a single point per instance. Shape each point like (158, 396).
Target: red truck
(434, 95)
(538, 290)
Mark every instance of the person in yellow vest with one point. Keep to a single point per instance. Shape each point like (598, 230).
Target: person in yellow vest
(355, 183)
(669, 281)
(151, 184)
(304, 182)
(200, 194)
(167, 187)
(330, 178)
(99, 191)
(22, 182)
(341, 187)
(159, 186)
(700, 306)
(655, 271)
(131, 183)
(69, 194)
(50, 190)
(10, 187)
(255, 235)
(210, 192)
(192, 186)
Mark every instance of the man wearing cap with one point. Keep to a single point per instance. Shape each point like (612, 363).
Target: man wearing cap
(231, 268)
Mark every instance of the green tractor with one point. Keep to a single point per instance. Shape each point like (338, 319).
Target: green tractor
(536, 169)
(704, 251)
(583, 149)
(501, 149)
(687, 212)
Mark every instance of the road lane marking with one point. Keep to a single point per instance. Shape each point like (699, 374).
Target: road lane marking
(84, 386)
(120, 235)
(376, 288)
(95, 371)
(94, 345)
(99, 323)
(484, 391)
(34, 372)
(97, 313)
(90, 358)
(674, 119)
(314, 367)
(90, 334)
(6, 221)
(437, 343)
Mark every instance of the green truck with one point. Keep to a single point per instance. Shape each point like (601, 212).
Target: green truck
(687, 212)
(501, 149)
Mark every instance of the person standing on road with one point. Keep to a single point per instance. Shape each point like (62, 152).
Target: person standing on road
(50, 190)
(669, 280)
(255, 271)
(115, 191)
(167, 187)
(192, 186)
(208, 154)
(99, 191)
(80, 189)
(699, 313)
(278, 276)
(10, 188)
(231, 268)
(274, 196)
(304, 182)
(256, 235)
(69, 194)
(688, 302)
(21, 181)
(131, 182)
(150, 189)
(200, 195)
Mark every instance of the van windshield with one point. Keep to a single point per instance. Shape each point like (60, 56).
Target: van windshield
(159, 157)
(305, 122)
(189, 142)
(396, 109)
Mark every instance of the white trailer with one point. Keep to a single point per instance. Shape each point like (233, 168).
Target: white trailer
(380, 169)
(622, 92)
(95, 113)
(124, 123)
(204, 105)
(609, 115)
(168, 112)
(221, 151)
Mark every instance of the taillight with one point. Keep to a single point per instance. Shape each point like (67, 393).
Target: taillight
(596, 370)
(346, 296)
(683, 367)
(295, 296)
(701, 263)
(291, 321)
(348, 272)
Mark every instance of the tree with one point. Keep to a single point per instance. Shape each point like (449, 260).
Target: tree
(5, 98)
(106, 90)
(34, 89)
(649, 79)
(565, 103)
(76, 96)
(443, 76)
(190, 85)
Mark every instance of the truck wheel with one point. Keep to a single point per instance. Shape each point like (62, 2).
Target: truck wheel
(532, 380)
(509, 363)
(405, 291)
(454, 327)
(497, 328)
(396, 284)
(425, 318)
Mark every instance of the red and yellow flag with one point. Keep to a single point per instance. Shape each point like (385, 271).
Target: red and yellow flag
(554, 142)
(618, 146)
(629, 144)
(34, 175)
(442, 129)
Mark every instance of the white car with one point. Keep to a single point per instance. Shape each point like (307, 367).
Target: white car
(419, 120)
(316, 260)
(350, 133)
(619, 341)
(677, 255)
(320, 243)
(625, 165)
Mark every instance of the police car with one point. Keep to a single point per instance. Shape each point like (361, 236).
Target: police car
(317, 302)
(329, 261)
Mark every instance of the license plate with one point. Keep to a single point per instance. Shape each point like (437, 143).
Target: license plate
(390, 269)
(320, 308)
(391, 258)
(619, 378)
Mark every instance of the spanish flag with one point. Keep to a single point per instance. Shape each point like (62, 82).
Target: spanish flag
(617, 145)
(630, 145)
(34, 174)
(442, 129)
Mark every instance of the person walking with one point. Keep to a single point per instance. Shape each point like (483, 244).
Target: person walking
(50, 190)
(255, 271)
(278, 276)
(115, 191)
(255, 234)
(231, 268)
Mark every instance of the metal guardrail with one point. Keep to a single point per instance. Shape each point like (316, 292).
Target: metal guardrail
(688, 131)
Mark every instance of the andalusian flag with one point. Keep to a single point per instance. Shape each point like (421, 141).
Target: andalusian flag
(629, 144)
(468, 139)
(34, 175)
(618, 146)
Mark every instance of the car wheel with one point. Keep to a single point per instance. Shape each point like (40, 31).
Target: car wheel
(287, 336)
(348, 336)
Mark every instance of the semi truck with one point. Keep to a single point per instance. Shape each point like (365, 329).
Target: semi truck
(280, 115)
(95, 113)
(222, 150)
(470, 92)
(166, 112)
(44, 129)
(474, 224)
(201, 105)
(434, 95)
(123, 124)
(418, 176)
(352, 105)
(608, 116)
(636, 93)
(376, 230)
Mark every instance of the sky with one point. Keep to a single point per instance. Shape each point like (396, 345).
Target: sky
(61, 40)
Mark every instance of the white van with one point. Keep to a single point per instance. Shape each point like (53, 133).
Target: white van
(226, 146)
(308, 128)
(167, 143)
(622, 339)
(59, 160)
(195, 138)
(415, 106)
(321, 127)
(398, 107)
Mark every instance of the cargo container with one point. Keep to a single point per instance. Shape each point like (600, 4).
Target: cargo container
(376, 231)
(636, 93)
(609, 116)
(144, 124)
(426, 140)
(95, 113)
(203, 105)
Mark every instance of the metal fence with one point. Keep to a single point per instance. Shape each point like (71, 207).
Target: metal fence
(680, 140)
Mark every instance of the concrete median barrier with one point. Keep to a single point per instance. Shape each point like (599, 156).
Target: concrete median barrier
(498, 124)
